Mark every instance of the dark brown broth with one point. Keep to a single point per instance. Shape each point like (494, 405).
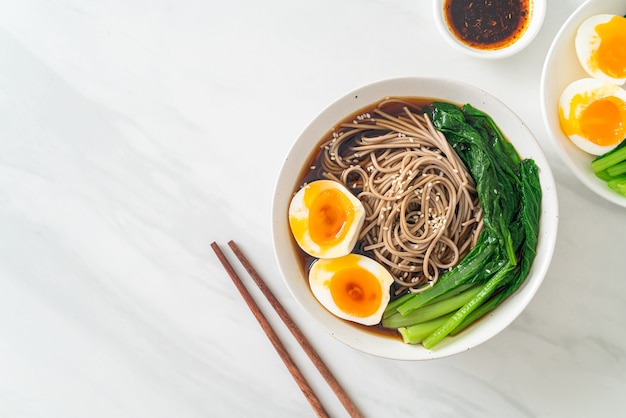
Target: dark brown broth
(487, 24)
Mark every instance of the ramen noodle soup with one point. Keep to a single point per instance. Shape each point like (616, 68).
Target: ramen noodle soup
(422, 213)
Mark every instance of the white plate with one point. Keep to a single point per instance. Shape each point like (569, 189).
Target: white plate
(561, 67)
(512, 127)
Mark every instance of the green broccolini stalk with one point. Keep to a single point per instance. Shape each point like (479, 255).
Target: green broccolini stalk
(432, 310)
(611, 158)
(392, 307)
(611, 167)
(618, 184)
(505, 250)
(455, 320)
(617, 169)
(415, 334)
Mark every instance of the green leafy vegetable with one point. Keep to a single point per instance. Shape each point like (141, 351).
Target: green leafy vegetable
(510, 194)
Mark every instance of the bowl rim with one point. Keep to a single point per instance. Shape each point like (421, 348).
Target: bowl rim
(286, 183)
(550, 118)
(538, 13)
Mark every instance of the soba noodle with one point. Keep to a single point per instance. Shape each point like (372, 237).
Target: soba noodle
(422, 212)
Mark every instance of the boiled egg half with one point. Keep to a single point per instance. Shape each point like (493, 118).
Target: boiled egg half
(352, 287)
(601, 47)
(325, 219)
(592, 114)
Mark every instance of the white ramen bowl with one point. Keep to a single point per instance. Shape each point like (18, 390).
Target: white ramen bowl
(536, 19)
(286, 251)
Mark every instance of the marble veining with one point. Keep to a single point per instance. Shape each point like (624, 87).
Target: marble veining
(133, 134)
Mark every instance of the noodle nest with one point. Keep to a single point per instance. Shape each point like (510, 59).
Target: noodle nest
(422, 210)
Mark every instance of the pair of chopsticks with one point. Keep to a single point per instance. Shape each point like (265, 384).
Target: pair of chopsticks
(295, 331)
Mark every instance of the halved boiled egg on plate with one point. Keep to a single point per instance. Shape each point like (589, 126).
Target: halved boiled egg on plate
(601, 47)
(352, 287)
(326, 218)
(592, 114)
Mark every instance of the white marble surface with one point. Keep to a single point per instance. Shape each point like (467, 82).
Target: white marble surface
(134, 133)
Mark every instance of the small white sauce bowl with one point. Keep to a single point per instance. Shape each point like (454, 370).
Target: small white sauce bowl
(537, 16)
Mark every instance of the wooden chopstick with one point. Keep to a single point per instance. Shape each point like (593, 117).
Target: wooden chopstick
(299, 336)
(293, 328)
(271, 334)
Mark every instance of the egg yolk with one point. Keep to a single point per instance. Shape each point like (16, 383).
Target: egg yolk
(610, 56)
(356, 291)
(602, 121)
(329, 214)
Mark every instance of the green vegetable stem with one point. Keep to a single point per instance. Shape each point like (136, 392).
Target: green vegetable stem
(611, 167)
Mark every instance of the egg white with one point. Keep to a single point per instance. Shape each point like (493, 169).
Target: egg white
(299, 212)
(587, 41)
(594, 89)
(323, 270)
